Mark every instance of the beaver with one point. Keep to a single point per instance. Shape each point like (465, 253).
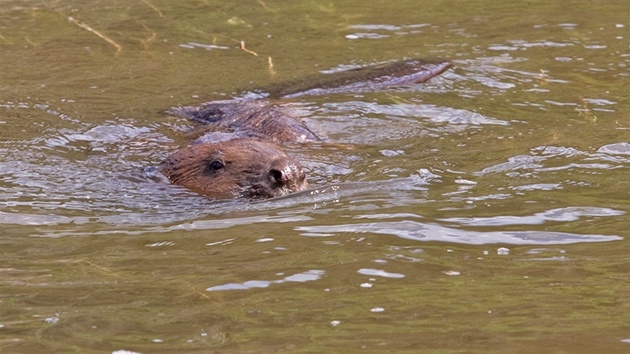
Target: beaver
(240, 167)
(238, 153)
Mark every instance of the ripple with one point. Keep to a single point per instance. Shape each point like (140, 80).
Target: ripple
(558, 158)
(425, 232)
(615, 149)
(193, 45)
(519, 162)
(309, 275)
(521, 44)
(556, 215)
(38, 219)
(375, 31)
(380, 122)
(379, 273)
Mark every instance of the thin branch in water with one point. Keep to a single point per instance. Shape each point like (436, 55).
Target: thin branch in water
(398, 99)
(272, 71)
(102, 36)
(4, 39)
(154, 8)
(264, 6)
(585, 111)
(247, 50)
(584, 106)
(542, 78)
(145, 42)
(103, 269)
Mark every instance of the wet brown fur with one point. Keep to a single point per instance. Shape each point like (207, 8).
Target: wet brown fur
(242, 167)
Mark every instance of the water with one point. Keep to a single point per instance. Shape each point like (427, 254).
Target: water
(483, 211)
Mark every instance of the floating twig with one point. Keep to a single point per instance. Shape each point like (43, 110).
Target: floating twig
(145, 42)
(247, 50)
(585, 111)
(102, 36)
(543, 77)
(154, 8)
(103, 269)
(264, 6)
(272, 71)
(398, 99)
(4, 39)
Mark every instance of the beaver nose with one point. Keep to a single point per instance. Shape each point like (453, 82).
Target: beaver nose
(288, 174)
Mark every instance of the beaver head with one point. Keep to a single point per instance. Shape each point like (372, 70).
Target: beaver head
(243, 167)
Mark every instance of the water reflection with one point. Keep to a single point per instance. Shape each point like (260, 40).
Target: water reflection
(523, 142)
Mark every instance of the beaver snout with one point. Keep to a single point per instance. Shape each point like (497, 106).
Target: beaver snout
(243, 167)
(284, 176)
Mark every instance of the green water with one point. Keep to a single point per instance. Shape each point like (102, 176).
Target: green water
(483, 211)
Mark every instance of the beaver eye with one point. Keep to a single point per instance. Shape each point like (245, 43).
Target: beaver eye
(216, 165)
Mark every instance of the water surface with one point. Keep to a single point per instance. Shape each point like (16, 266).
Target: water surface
(483, 211)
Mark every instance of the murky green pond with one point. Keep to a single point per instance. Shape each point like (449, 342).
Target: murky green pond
(483, 211)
